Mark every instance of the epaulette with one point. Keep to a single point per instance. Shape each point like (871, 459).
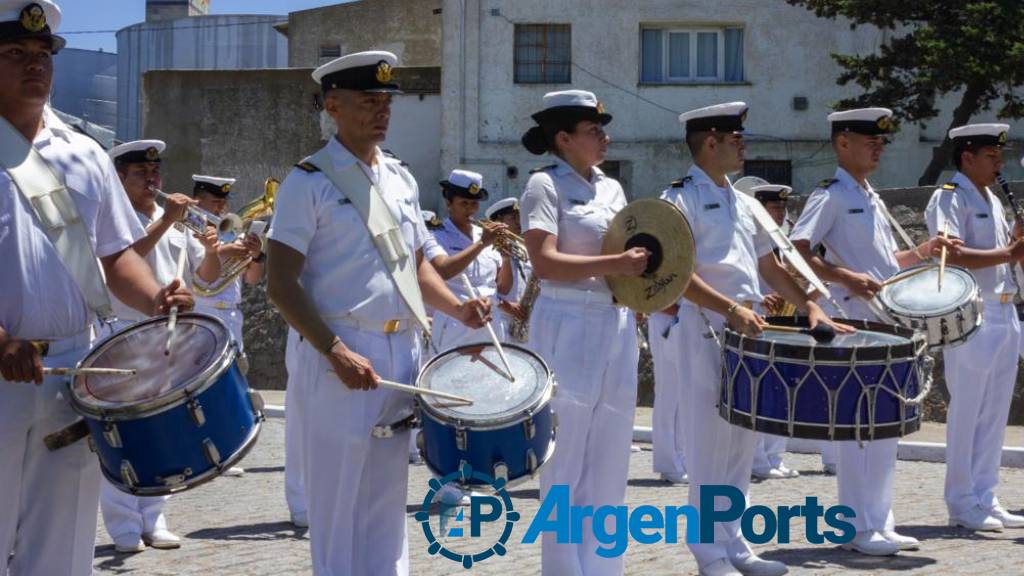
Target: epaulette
(681, 182)
(434, 223)
(543, 168)
(827, 182)
(307, 167)
(949, 186)
(392, 155)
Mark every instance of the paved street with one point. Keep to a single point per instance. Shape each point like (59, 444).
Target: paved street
(238, 526)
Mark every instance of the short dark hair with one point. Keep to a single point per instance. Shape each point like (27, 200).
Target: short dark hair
(695, 140)
(958, 152)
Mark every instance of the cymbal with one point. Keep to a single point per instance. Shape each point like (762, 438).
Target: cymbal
(661, 228)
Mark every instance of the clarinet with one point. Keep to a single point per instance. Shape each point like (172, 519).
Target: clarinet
(1018, 217)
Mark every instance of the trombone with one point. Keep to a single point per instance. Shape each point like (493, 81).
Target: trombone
(229, 227)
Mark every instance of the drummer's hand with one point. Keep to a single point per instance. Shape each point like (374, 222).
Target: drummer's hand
(513, 309)
(746, 321)
(935, 244)
(475, 313)
(632, 262)
(861, 285)
(773, 303)
(174, 294)
(816, 315)
(354, 370)
(491, 231)
(20, 361)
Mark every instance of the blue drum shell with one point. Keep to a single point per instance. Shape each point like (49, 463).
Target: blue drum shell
(170, 443)
(507, 444)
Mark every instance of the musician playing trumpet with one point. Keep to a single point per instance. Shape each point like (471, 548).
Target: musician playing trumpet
(460, 246)
(506, 211)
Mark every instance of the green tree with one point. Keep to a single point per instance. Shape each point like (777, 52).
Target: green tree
(968, 49)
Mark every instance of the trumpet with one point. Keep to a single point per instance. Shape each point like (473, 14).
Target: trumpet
(229, 226)
(232, 268)
(508, 243)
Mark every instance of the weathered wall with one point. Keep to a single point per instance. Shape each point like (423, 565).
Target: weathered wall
(409, 28)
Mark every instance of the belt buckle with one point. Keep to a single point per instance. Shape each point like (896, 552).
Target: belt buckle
(392, 326)
(1005, 298)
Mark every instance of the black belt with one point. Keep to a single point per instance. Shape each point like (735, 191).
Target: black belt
(390, 430)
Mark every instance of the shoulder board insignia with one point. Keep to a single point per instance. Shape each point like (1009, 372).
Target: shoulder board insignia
(827, 182)
(681, 182)
(392, 155)
(949, 186)
(434, 224)
(543, 168)
(307, 167)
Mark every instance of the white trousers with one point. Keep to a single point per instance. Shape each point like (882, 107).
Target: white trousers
(667, 422)
(447, 332)
(356, 484)
(48, 500)
(294, 416)
(126, 515)
(232, 318)
(593, 352)
(980, 375)
(828, 452)
(865, 474)
(768, 452)
(716, 452)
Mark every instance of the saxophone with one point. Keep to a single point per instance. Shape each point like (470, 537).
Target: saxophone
(519, 330)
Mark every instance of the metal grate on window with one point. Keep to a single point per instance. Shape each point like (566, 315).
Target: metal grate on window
(542, 54)
(774, 171)
(328, 53)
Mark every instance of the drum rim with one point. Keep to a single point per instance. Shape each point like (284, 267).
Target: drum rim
(974, 295)
(743, 420)
(914, 349)
(172, 399)
(544, 398)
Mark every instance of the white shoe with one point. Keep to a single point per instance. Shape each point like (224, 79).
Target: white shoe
(720, 567)
(1008, 520)
(675, 478)
(415, 458)
(300, 519)
(829, 469)
(871, 543)
(976, 519)
(767, 474)
(902, 542)
(787, 472)
(234, 471)
(162, 539)
(129, 544)
(754, 565)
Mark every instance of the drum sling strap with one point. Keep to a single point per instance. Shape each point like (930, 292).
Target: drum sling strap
(385, 233)
(57, 214)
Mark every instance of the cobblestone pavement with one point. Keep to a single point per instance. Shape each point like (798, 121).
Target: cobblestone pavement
(239, 526)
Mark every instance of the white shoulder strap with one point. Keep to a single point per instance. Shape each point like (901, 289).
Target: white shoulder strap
(384, 231)
(57, 213)
(895, 225)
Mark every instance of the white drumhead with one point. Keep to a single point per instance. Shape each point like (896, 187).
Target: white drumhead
(857, 339)
(476, 372)
(920, 295)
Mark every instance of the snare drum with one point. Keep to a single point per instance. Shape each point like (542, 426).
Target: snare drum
(948, 317)
(509, 430)
(862, 386)
(181, 420)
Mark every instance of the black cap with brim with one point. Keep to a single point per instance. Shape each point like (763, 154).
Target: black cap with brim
(564, 115)
(221, 191)
(473, 192)
(373, 78)
(31, 24)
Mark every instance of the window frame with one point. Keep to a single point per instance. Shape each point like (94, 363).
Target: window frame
(693, 31)
(544, 62)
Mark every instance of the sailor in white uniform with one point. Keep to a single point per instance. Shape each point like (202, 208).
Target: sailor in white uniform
(354, 297)
(732, 254)
(846, 216)
(980, 392)
(51, 293)
(506, 211)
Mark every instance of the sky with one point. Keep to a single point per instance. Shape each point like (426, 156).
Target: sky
(108, 16)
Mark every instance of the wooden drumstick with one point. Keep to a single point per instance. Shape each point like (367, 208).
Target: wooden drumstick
(172, 320)
(420, 391)
(821, 333)
(90, 371)
(490, 330)
(942, 255)
(901, 277)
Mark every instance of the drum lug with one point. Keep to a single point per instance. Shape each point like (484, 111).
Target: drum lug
(212, 454)
(531, 461)
(257, 401)
(128, 475)
(177, 479)
(461, 439)
(501, 471)
(196, 410)
(529, 428)
(554, 421)
(92, 444)
(111, 435)
(421, 445)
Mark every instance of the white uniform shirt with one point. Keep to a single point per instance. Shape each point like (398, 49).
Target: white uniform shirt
(728, 240)
(559, 201)
(482, 271)
(849, 221)
(979, 220)
(163, 259)
(40, 300)
(344, 274)
(232, 295)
